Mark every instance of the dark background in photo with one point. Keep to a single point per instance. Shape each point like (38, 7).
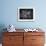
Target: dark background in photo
(26, 13)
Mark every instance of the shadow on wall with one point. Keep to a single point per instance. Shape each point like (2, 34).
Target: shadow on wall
(2, 26)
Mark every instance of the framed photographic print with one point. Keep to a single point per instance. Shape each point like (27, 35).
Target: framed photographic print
(26, 14)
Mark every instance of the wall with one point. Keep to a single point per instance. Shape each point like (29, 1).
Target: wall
(8, 13)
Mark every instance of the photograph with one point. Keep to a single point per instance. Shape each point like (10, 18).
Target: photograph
(26, 14)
